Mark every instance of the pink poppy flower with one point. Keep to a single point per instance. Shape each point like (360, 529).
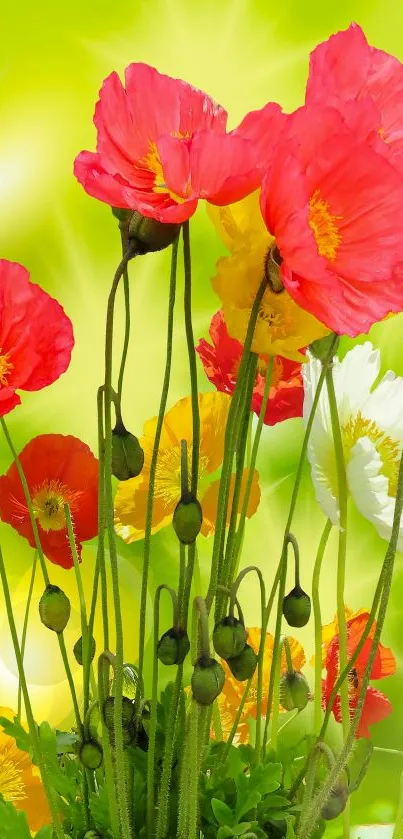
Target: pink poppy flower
(162, 144)
(335, 208)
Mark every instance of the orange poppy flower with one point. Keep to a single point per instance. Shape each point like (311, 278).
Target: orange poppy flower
(230, 698)
(20, 781)
(131, 495)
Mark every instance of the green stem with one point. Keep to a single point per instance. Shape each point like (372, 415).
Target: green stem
(33, 731)
(286, 646)
(275, 703)
(154, 458)
(276, 642)
(25, 627)
(101, 523)
(192, 357)
(260, 666)
(191, 553)
(126, 340)
(70, 681)
(398, 831)
(83, 611)
(322, 796)
(318, 627)
(181, 584)
(229, 448)
(104, 661)
(165, 788)
(341, 564)
(292, 540)
(235, 724)
(193, 799)
(200, 612)
(120, 774)
(251, 460)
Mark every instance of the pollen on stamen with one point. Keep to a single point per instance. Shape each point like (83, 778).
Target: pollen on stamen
(325, 227)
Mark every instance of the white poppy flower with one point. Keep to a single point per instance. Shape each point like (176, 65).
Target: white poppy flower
(371, 421)
(373, 831)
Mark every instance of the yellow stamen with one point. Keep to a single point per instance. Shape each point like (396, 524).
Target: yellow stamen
(388, 449)
(168, 473)
(48, 502)
(152, 161)
(6, 366)
(12, 786)
(325, 227)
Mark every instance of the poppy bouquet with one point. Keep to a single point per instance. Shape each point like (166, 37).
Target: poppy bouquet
(309, 207)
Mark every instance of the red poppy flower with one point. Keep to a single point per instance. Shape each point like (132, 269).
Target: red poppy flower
(59, 470)
(335, 207)
(36, 337)
(376, 705)
(345, 70)
(162, 145)
(221, 362)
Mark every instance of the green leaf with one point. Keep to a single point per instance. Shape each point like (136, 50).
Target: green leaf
(252, 800)
(222, 812)
(45, 832)
(66, 742)
(13, 824)
(358, 763)
(266, 778)
(290, 829)
(224, 832)
(99, 809)
(14, 729)
(239, 829)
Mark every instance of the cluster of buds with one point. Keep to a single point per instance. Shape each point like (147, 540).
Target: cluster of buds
(229, 639)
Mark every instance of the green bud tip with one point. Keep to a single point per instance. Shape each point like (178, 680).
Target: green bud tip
(149, 234)
(320, 348)
(243, 665)
(127, 454)
(78, 650)
(128, 712)
(91, 754)
(294, 691)
(207, 680)
(229, 637)
(187, 519)
(336, 802)
(54, 608)
(297, 607)
(173, 646)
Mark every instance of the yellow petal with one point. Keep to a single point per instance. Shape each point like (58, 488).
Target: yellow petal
(210, 500)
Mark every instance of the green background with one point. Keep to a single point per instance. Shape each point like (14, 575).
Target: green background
(53, 58)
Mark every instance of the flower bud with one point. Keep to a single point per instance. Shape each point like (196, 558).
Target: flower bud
(187, 519)
(336, 802)
(294, 691)
(297, 607)
(78, 650)
(207, 680)
(128, 712)
(321, 348)
(149, 234)
(229, 637)
(173, 646)
(243, 665)
(92, 834)
(91, 754)
(127, 454)
(54, 608)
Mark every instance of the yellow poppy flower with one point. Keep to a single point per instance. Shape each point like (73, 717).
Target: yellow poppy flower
(131, 495)
(230, 698)
(282, 328)
(20, 780)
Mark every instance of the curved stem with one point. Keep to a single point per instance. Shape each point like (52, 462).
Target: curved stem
(104, 662)
(126, 340)
(154, 458)
(33, 731)
(192, 357)
(120, 773)
(318, 626)
(292, 541)
(83, 611)
(237, 583)
(25, 627)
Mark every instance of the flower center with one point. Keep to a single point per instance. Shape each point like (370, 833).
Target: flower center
(325, 227)
(152, 161)
(168, 474)
(388, 449)
(12, 785)
(275, 315)
(48, 504)
(6, 366)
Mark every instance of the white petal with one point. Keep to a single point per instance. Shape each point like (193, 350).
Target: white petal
(369, 488)
(385, 406)
(353, 379)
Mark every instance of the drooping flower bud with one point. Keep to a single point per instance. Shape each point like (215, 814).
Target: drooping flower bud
(243, 665)
(78, 650)
(336, 802)
(149, 234)
(128, 712)
(321, 348)
(54, 608)
(294, 691)
(187, 519)
(229, 637)
(127, 454)
(91, 754)
(297, 607)
(207, 680)
(173, 646)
